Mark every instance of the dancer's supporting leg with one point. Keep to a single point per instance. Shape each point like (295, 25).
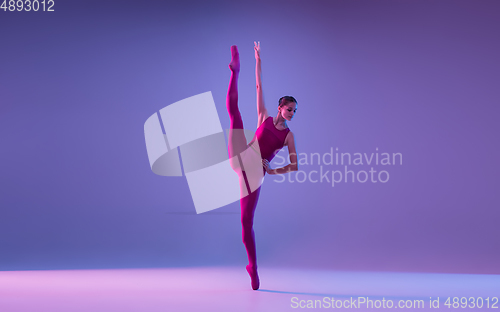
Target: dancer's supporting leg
(248, 205)
(237, 144)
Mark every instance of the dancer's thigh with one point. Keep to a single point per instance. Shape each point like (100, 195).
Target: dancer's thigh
(252, 165)
(248, 206)
(237, 142)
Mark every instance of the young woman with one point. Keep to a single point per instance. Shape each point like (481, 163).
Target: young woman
(271, 135)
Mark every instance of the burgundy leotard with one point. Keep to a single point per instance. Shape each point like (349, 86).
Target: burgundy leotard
(271, 140)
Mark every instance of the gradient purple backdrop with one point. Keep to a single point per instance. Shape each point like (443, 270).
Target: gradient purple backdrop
(419, 78)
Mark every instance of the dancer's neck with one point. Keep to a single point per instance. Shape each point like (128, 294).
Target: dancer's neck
(280, 121)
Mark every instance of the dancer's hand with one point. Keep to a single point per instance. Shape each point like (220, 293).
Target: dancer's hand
(257, 49)
(265, 163)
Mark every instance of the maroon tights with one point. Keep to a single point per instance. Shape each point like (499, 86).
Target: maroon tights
(237, 144)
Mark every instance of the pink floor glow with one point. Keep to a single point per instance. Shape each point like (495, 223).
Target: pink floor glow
(228, 289)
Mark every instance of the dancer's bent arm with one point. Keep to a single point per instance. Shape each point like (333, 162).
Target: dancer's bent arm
(292, 151)
(261, 107)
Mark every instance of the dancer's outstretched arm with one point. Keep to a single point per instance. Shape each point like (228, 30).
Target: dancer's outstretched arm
(261, 107)
(292, 151)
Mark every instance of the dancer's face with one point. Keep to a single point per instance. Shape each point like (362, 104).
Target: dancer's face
(288, 110)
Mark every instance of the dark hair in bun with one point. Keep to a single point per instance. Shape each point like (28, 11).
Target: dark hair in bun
(286, 99)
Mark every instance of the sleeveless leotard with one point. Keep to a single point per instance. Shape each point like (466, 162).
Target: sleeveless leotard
(270, 139)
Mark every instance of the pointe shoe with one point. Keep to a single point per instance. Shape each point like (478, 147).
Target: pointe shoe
(235, 59)
(254, 276)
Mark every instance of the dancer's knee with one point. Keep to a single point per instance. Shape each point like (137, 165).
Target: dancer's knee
(247, 233)
(232, 101)
(247, 222)
(235, 119)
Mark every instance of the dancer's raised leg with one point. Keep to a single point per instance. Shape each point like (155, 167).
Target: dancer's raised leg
(237, 140)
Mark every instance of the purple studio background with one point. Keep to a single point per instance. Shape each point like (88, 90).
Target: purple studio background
(420, 78)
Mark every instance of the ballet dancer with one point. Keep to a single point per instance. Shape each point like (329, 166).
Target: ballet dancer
(272, 134)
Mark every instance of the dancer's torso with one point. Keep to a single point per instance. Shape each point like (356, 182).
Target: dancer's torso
(270, 139)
